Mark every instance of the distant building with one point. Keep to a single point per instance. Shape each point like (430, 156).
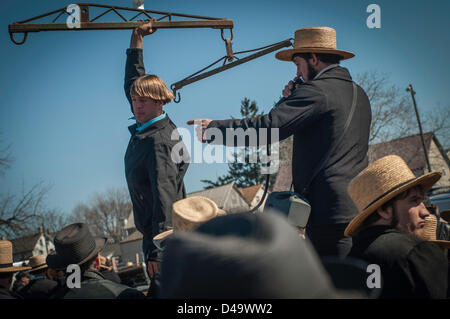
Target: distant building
(227, 197)
(25, 247)
(409, 148)
(253, 195)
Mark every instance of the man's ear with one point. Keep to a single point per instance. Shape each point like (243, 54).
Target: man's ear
(315, 60)
(385, 214)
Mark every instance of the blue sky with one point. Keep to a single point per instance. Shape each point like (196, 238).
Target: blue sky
(64, 112)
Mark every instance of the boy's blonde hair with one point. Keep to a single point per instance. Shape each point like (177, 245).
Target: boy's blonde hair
(153, 87)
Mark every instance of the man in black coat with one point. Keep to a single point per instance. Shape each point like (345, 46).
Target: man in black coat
(76, 247)
(315, 113)
(390, 228)
(7, 270)
(40, 286)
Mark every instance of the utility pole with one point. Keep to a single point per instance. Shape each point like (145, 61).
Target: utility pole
(410, 89)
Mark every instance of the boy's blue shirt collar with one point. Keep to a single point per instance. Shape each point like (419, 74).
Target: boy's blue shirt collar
(153, 120)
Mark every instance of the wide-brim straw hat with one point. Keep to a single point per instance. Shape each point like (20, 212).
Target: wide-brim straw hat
(6, 258)
(445, 215)
(429, 232)
(189, 213)
(314, 40)
(380, 182)
(74, 244)
(37, 263)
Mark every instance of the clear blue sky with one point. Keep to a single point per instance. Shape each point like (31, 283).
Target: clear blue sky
(64, 112)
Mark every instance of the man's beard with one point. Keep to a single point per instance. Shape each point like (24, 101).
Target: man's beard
(408, 230)
(311, 72)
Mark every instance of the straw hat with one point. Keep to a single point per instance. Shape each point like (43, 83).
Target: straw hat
(6, 258)
(314, 40)
(380, 182)
(429, 232)
(445, 215)
(37, 263)
(189, 213)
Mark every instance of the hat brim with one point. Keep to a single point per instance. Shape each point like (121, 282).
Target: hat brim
(33, 270)
(13, 269)
(163, 235)
(286, 55)
(444, 244)
(427, 181)
(55, 262)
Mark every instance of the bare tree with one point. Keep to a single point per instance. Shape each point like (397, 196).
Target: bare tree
(53, 220)
(19, 215)
(393, 113)
(5, 159)
(105, 213)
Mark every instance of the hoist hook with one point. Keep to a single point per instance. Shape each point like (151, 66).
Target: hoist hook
(25, 34)
(223, 38)
(177, 98)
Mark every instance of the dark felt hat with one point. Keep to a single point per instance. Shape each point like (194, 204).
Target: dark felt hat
(243, 256)
(74, 244)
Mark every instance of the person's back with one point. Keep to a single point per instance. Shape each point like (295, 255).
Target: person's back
(95, 286)
(410, 267)
(327, 193)
(39, 288)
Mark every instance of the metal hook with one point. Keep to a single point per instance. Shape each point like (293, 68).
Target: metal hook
(223, 38)
(25, 34)
(174, 91)
(179, 98)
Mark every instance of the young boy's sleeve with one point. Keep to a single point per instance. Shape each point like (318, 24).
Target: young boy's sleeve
(134, 68)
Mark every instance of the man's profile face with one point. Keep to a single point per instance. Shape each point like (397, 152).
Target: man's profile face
(410, 213)
(145, 108)
(304, 69)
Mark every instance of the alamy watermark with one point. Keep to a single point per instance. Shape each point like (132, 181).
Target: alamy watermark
(242, 146)
(374, 19)
(374, 279)
(73, 20)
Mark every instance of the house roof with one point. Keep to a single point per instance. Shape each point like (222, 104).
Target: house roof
(130, 221)
(409, 148)
(25, 244)
(250, 192)
(136, 235)
(218, 194)
(111, 249)
(284, 178)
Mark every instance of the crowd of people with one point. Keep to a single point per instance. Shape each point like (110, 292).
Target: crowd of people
(365, 221)
(212, 254)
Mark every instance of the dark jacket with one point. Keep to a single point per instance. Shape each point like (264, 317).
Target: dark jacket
(410, 267)
(7, 294)
(39, 288)
(154, 180)
(95, 286)
(315, 113)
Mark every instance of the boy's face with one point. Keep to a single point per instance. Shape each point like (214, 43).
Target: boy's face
(410, 213)
(145, 108)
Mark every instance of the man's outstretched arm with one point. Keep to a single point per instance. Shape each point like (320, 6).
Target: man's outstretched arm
(134, 66)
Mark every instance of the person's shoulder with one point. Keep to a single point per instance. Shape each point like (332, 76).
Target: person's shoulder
(120, 290)
(393, 244)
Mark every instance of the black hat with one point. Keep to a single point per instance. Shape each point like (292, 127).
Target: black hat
(74, 244)
(243, 256)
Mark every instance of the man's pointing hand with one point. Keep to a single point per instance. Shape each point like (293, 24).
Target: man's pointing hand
(201, 125)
